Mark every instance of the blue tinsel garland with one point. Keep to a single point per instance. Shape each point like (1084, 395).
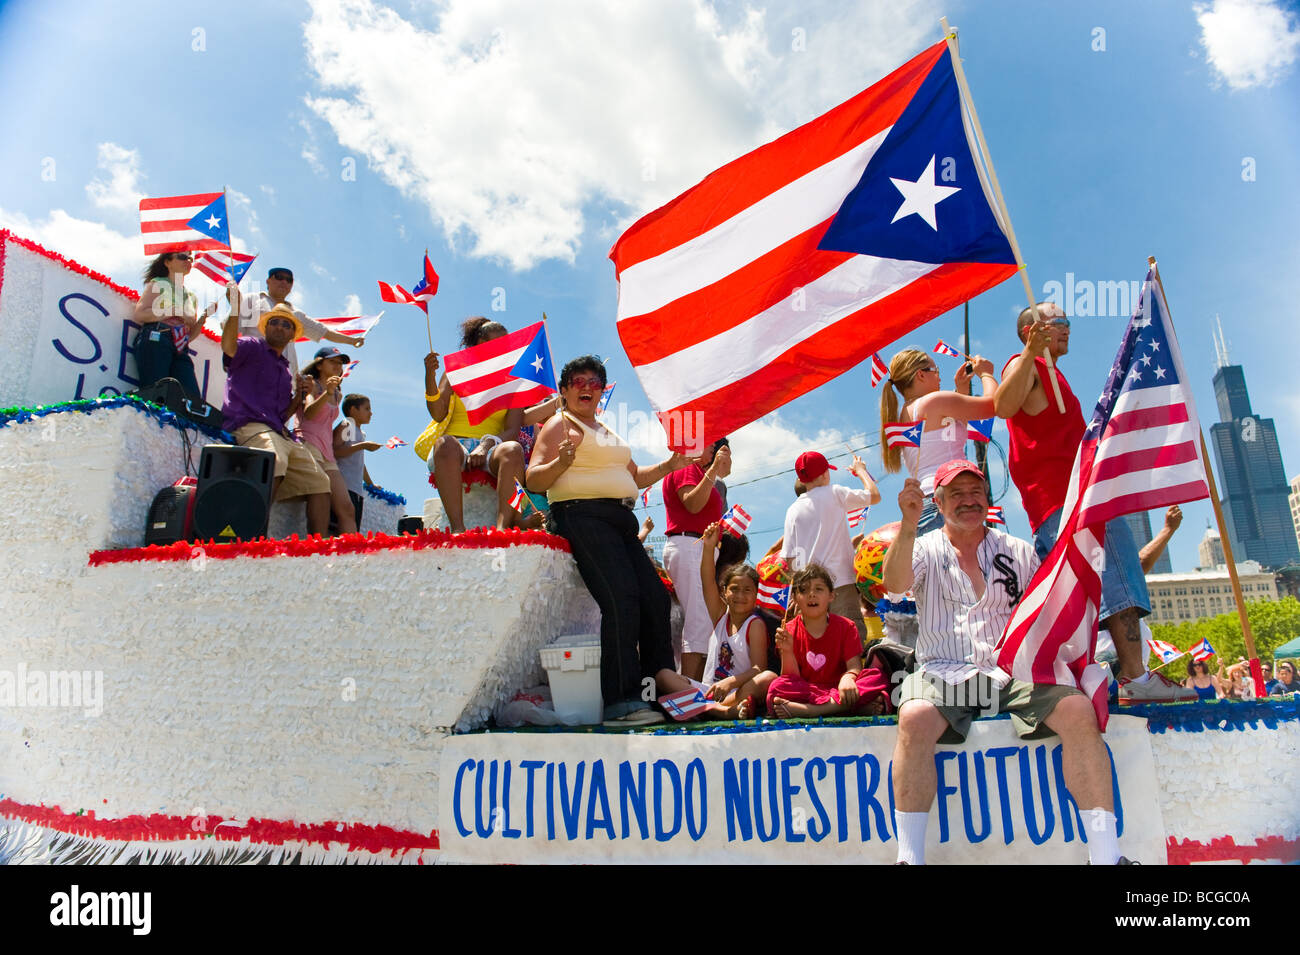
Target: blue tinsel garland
(88, 405)
(883, 606)
(388, 497)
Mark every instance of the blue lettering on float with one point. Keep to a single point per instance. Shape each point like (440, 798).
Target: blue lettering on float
(529, 766)
(943, 790)
(666, 767)
(816, 765)
(788, 791)
(867, 801)
(735, 799)
(569, 808)
(1070, 817)
(841, 763)
(596, 794)
(456, 798)
(485, 830)
(63, 310)
(775, 813)
(1027, 795)
(697, 799)
(981, 786)
(999, 755)
(635, 792)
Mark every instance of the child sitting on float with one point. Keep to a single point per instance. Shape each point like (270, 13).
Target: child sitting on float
(736, 675)
(821, 659)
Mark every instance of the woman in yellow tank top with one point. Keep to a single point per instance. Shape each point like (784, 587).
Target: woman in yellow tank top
(589, 476)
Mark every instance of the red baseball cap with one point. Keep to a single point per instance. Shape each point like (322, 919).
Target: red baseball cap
(943, 477)
(811, 465)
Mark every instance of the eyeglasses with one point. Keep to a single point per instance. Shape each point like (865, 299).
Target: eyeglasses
(183, 256)
(1063, 322)
(587, 383)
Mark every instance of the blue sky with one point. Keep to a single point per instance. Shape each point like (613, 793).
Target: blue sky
(516, 141)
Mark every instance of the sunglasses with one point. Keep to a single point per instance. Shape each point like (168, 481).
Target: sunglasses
(183, 256)
(281, 276)
(282, 322)
(587, 383)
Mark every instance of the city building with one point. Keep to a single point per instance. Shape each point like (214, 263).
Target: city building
(1294, 500)
(1206, 593)
(1140, 525)
(1256, 509)
(1210, 550)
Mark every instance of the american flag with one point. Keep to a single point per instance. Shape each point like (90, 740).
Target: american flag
(519, 496)
(1165, 651)
(879, 370)
(195, 222)
(735, 521)
(794, 263)
(425, 289)
(513, 371)
(981, 429)
(1202, 651)
(605, 396)
(394, 442)
(857, 515)
(903, 434)
(994, 516)
(352, 325)
(223, 267)
(1139, 452)
(943, 348)
(684, 704)
(773, 597)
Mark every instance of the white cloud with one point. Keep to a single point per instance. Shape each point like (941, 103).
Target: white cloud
(506, 120)
(119, 190)
(351, 305)
(245, 219)
(92, 244)
(320, 270)
(1248, 42)
(310, 151)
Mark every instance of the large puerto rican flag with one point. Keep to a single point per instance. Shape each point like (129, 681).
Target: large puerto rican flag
(353, 325)
(513, 371)
(1140, 452)
(184, 223)
(792, 264)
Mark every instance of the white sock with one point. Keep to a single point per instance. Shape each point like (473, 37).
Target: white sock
(1146, 675)
(911, 836)
(1103, 844)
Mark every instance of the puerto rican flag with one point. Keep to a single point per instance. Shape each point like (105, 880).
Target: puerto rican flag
(645, 497)
(774, 597)
(735, 521)
(605, 396)
(879, 370)
(1139, 452)
(857, 516)
(394, 442)
(1165, 651)
(425, 289)
(1202, 651)
(513, 371)
(942, 348)
(684, 704)
(518, 498)
(981, 429)
(347, 369)
(351, 325)
(794, 263)
(224, 267)
(903, 434)
(994, 516)
(184, 223)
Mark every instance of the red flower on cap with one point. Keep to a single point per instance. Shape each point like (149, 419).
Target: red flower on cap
(943, 477)
(811, 465)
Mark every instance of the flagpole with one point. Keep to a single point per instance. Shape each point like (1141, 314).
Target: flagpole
(1247, 635)
(427, 326)
(950, 35)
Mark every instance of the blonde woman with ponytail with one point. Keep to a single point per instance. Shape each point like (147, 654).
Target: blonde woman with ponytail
(914, 376)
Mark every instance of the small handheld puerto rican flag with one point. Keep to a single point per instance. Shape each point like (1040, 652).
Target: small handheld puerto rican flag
(1165, 651)
(684, 704)
(903, 434)
(994, 516)
(645, 498)
(1202, 651)
(773, 597)
(857, 515)
(981, 429)
(347, 370)
(519, 497)
(394, 442)
(604, 397)
(735, 521)
(943, 348)
(879, 370)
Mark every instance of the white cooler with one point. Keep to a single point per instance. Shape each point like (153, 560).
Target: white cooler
(572, 666)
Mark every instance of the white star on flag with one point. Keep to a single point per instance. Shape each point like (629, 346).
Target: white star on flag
(922, 196)
(212, 222)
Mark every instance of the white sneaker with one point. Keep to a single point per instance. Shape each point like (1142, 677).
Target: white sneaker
(645, 717)
(1157, 688)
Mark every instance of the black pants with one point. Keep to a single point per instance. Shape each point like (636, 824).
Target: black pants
(635, 636)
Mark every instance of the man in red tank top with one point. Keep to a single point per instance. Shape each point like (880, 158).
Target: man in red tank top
(1044, 443)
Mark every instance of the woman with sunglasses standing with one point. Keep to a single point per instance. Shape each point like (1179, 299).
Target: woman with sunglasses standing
(941, 414)
(167, 313)
(1200, 679)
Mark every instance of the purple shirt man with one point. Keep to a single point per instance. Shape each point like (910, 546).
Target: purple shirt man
(258, 386)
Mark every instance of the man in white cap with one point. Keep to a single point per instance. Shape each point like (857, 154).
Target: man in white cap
(279, 283)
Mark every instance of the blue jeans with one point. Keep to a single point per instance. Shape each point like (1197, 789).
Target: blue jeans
(157, 358)
(1123, 585)
(635, 609)
(931, 519)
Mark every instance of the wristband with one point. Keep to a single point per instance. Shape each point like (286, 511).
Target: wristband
(432, 397)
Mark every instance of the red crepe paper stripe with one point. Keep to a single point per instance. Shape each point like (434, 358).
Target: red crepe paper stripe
(1226, 849)
(157, 827)
(478, 539)
(69, 264)
(472, 477)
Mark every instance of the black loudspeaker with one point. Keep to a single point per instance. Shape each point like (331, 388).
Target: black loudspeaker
(233, 499)
(410, 525)
(171, 516)
(169, 393)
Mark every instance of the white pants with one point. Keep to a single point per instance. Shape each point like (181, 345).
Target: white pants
(682, 561)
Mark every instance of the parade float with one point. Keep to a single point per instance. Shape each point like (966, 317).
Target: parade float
(296, 700)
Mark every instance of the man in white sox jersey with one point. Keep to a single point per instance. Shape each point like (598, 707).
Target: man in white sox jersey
(967, 580)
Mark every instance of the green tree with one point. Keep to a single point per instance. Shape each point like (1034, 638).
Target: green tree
(1273, 622)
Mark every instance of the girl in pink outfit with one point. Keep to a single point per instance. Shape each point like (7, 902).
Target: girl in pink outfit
(316, 429)
(821, 659)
